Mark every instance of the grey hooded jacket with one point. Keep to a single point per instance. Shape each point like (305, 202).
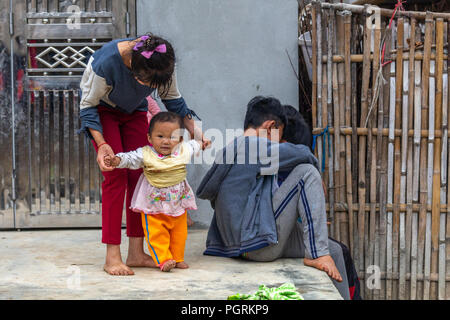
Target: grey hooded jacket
(239, 186)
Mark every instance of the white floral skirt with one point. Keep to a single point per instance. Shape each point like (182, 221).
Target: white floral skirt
(173, 200)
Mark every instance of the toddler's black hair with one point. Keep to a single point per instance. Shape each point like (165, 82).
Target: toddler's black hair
(165, 116)
(261, 109)
(297, 130)
(157, 71)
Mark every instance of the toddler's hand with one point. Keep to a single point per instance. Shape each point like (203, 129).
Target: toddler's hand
(111, 161)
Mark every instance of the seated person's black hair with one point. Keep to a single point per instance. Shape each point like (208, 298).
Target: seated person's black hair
(297, 130)
(165, 116)
(261, 109)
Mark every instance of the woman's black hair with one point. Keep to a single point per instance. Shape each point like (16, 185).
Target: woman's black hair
(165, 116)
(297, 130)
(261, 109)
(157, 70)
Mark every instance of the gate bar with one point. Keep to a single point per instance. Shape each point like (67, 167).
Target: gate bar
(13, 109)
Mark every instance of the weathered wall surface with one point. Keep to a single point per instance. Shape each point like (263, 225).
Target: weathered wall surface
(228, 52)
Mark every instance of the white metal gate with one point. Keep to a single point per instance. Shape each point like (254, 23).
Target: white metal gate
(48, 173)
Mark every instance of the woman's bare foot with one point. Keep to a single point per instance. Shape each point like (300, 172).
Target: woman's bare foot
(118, 269)
(168, 265)
(324, 263)
(136, 255)
(190, 223)
(114, 265)
(182, 265)
(143, 260)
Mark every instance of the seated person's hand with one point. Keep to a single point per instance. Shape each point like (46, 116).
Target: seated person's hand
(111, 161)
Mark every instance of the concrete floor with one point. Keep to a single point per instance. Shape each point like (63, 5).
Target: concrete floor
(67, 264)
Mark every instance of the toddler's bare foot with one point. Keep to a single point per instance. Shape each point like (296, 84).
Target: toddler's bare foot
(168, 265)
(190, 223)
(324, 263)
(118, 269)
(140, 260)
(182, 265)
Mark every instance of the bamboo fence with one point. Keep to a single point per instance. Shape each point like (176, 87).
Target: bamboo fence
(381, 91)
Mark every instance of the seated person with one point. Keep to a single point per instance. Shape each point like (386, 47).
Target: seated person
(297, 131)
(253, 217)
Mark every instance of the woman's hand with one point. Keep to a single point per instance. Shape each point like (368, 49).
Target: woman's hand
(206, 143)
(196, 132)
(105, 150)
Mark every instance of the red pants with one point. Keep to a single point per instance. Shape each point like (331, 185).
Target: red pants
(123, 132)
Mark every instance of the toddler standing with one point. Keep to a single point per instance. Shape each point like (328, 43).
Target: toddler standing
(162, 195)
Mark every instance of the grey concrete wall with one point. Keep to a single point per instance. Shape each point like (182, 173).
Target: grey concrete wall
(228, 51)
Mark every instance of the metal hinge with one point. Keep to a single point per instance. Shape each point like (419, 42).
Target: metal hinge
(127, 23)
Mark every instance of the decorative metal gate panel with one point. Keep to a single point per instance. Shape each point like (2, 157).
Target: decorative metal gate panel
(48, 173)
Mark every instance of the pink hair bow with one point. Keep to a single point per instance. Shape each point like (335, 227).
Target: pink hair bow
(147, 54)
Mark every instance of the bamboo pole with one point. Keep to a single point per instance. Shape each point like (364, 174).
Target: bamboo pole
(403, 162)
(315, 73)
(362, 143)
(390, 174)
(442, 216)
(325, 111)
(397, 154)
(366, 208)
(348, 142)
(354, 139)
(415, 183)
(333, 108)
(447, 236)
(359, 57)
(419, 15)
(444, 171)
(428, 293)
(319, 73)
(436, 198)
(372, 149)
(384, 165)
(383, 121)
(340, 186)
(434, 277)
(410, 220)
(344, 130)
(423, 150)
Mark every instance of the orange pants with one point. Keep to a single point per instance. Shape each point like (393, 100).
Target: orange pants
(165, 236)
